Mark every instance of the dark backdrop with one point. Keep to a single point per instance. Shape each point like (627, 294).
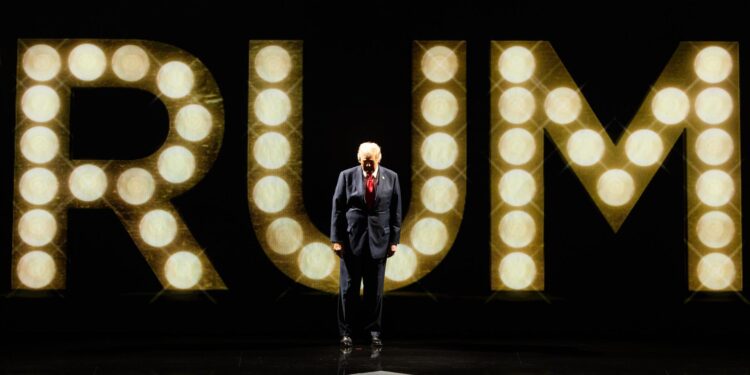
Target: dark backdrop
(357, 86)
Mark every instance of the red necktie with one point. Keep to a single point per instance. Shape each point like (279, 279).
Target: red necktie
(370, 194)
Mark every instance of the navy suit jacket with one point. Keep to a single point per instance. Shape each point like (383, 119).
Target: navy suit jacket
(354, 225)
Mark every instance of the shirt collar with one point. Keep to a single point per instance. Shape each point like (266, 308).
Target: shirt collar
(374, 174)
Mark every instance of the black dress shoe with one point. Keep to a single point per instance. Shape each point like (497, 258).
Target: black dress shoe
(346, 341)
(377, 342)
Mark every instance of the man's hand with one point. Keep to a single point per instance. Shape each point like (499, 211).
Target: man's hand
(392, 251)
(338, 250)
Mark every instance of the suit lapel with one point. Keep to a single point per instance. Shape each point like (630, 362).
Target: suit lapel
(360, 185)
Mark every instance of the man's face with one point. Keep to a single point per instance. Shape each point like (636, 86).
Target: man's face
(368, 164)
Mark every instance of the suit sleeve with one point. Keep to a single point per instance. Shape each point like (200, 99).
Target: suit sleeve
(338, 211)
(395, 210)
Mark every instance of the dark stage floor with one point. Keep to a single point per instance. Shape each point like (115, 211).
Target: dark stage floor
(178, 355)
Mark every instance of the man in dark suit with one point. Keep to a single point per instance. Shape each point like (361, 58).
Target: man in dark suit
(365, 231)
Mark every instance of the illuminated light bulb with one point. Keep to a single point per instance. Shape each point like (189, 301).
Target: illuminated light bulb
(158, 228)
(39, 144)
(87, 182)
(439, 64)
(36, 269)
(136, 186)
(439, 107)
(284, 235)
(670, 105)
(716, 271)
(517, 105)
(193, 122)
(644, 147)
(272, 107)
(183, 270)
(517, 229)
(402, 265)
(40, 103)
(563, 105)
(516, 64)
(713, 64)
(714, 105)
(38, 186)
(517, 187)
(715, 229)
(37, 227)
(41, 62)
(615, 187)
(316, 260)
(176, 164)
(273, 63)
(271, 194)
(715, 188)
(87, 62)
(175, 79)
(714, 146)
(130, 63)
(517, 270)
(517, 146)
(439, 151)
(439, 194)
(429, 236)
(585, 147)
(272, 150)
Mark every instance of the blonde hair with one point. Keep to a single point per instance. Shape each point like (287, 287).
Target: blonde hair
(370, 149)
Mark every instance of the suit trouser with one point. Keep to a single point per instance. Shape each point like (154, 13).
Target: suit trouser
(356, 269)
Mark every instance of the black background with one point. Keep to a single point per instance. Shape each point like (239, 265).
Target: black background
(357, 69)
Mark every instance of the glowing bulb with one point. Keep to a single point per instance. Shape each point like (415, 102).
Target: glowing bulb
(176, 164)
(36, 269)
(439, 194)
(175, 79)
(517, 187)
(193, 122)
(39, 144)
(136, 186)
(284, 235)
(273, 63)
(644, 147)
(714, 105)
(713, 64)
(87, 62)
(316, 260)
(517, 229)
(38, 186)
(272, 150)
(402, 265)
(130, 63)
(87, 182)
(272, 107)
(439, 64)
(516, 64)
(517, 146)
(585, 147)
(715, 229)
(41, 62)
(429, 236)
(517, 270)
(615, 187)
(716, 271)
(40, 103)
(715, 188)
(439, 151)
(271, 194)
(714, 146)
(517, 105)
(158, 228)
(563, 105)
(439, 107)
(183, 270)
(37, 227)
(670, 105)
